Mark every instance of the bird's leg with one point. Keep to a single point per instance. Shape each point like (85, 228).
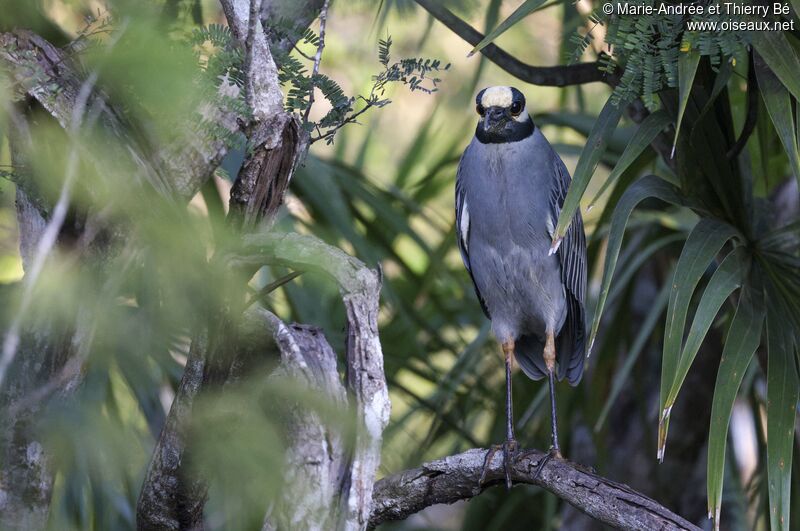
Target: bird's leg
(549, 355)
(550, 362)
(509, 447)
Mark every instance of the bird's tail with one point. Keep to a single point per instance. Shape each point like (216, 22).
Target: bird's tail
(529, 351)
(571, 349)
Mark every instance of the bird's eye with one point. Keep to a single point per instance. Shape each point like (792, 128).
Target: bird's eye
(480, 108)
(516, 108)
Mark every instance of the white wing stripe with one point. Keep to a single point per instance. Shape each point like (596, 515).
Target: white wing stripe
(463, 226)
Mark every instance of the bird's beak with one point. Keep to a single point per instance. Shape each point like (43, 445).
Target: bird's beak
(494, 118)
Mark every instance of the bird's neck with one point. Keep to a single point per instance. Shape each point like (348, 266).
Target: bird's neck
(513, 132)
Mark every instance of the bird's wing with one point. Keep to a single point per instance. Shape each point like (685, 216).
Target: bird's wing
(462, 234)
(572, 258)
(462, 221)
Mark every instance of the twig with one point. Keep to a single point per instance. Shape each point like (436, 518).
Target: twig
(550, 76)
(302, 53)
(323, 20)
(272, 286)
(50, 234)
(349, 120)
(456, 477)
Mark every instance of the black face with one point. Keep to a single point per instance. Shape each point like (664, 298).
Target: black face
(500, 124)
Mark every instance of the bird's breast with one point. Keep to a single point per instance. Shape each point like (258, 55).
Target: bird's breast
(508, 194)
(507, 188)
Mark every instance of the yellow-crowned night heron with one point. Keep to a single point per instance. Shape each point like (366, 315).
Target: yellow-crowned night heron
(510, 188)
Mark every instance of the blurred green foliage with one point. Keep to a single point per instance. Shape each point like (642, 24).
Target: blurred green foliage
(383, 191)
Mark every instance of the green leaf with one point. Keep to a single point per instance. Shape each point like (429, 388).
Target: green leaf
(744, 335)
(781, 236)
(648, 130)
(527, 7)
(640, 257)
(590, 156)
(720, 82)
(725, 280)
(621, 375)
(648, 186)
(262, 293)
(782, 395)
(779, 106)
(687, 68)
(781, 58)
(582, 123)
(703, 244)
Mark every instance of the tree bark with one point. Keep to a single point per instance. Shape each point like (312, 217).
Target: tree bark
(332, 485)
(366, 381)
(457, 478)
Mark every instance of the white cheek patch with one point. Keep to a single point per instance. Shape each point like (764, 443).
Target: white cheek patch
(497, 97)
(523, 116)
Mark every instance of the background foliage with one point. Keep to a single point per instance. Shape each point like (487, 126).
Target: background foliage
(694, 267)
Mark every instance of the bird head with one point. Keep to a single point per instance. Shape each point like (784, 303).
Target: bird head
(503, 115)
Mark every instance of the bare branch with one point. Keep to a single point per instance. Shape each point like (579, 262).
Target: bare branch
(456, 478)
(306, 253)
(366, 381)
(323, 19)
(551, 76)
(172, 495)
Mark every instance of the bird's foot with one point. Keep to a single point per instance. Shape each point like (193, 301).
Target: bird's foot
(554, 453)
(509, 449)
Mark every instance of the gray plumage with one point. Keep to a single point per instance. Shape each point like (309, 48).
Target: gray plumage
(508, 198)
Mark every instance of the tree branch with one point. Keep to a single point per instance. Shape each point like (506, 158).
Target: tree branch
(169, 498)
(323, 19)
(315, 454)
(360, 288)
(48, 74)
(261, 84)
(456, 478)
(276, 140)
(550, 76)
(301, 12)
